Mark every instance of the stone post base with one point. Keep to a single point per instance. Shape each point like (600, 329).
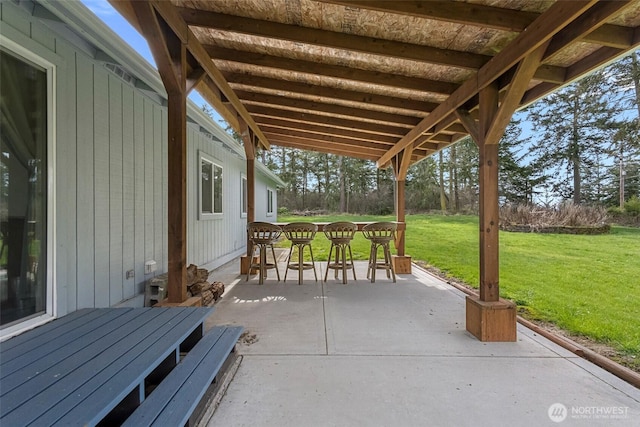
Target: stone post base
(401, 264)
(491, 320)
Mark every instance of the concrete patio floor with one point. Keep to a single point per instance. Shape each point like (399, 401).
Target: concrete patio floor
(385, 354)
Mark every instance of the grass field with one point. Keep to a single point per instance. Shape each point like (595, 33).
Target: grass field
(587, 285)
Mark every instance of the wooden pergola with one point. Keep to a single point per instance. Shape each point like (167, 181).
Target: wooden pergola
(388, 81)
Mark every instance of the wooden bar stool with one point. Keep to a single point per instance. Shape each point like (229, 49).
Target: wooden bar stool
(340, 234)
(262, 235)
(380, 234)
(301, 234)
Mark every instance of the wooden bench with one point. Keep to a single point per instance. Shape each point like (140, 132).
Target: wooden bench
(176, 398)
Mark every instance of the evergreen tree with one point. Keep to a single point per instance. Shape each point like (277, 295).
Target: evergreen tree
(572, 127)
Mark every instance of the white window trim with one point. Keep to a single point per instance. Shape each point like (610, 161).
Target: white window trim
(243, 211)
(272, 192)
(51, 289)
(203, 216)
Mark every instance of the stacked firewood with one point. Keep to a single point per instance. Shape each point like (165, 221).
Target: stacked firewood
(198, 284)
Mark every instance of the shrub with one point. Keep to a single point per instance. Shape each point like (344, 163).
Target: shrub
(283, 210)
(632, 206)
(564, 215)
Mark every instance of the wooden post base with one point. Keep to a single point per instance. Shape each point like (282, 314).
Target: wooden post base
(401, 264)
(190, 302)
(244, 264)
(493, 321)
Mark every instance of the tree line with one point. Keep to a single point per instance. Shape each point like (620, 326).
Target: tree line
(578, 144)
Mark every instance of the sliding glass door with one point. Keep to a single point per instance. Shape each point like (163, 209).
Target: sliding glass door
(23, 188)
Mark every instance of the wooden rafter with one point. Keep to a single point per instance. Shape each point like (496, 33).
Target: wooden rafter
(322, 67)
(182, 31)
(558, 16)
(248, 81)
(488, 17)
(335, 40)
(330, 70)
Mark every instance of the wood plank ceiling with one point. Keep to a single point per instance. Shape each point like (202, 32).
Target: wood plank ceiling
(380, 79)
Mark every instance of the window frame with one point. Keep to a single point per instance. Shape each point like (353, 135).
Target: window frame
(244, 196)
(270, 203)
(204, 157)
(51, 307)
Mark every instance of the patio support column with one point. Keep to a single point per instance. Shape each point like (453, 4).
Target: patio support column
(401, 262)
(250, 152)
(488, 317)
(170, 52)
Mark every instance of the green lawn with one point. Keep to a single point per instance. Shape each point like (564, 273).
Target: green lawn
(587, 285)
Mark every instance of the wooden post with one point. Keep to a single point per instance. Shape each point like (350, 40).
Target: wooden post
(489, 318)
(250, 152)
(401, 262)
(177, 199)
(488, 175)
(400, 214)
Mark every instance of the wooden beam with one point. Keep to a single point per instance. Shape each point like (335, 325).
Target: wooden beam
(159, 37)
(558, 16)
(334, 40)
(514, 94)
(469, 123)
(260, 111)
(323, 148)
(249, 81)
(487, 17)
(330, 70)
(354, 133)
(460, 13)
(584, 25)
(195, 77)
(301, 133)
(175, 21)
(337, 110)
(311, 143)
(596, 59)
(211, 94)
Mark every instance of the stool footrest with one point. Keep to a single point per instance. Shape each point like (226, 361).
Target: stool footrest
(296, 266)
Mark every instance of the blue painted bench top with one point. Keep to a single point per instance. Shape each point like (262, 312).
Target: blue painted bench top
(76, 369)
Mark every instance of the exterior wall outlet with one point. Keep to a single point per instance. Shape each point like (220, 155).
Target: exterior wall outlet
(150, 267)
(130, 274)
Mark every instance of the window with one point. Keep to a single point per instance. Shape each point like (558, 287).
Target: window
(26, 170)
(269, 201)
(244, 198)
(210, 188)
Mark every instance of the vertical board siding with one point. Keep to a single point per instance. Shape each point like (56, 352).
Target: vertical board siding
(66, 193)
(138, 111)
(128, 194)
(101, 150)
(111, 179)
(116, 243)
(84, 183)
(214, 239)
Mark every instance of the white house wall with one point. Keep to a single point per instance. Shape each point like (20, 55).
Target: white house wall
(111, 177)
